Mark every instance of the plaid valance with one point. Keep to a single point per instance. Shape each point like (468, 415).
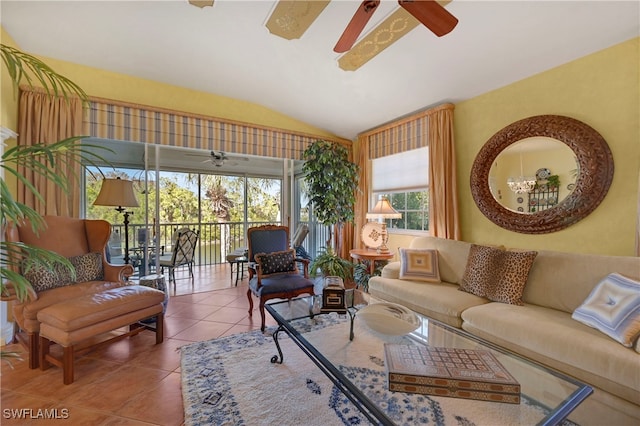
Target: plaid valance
(172, 128)
(401, 137)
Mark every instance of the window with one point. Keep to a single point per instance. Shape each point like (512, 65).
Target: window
(404, 179)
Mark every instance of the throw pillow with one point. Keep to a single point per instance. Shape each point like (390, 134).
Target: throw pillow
(277, 262)
(88, 267)
(419, 264)
(613, 307)
(482, 270)
(43, 277)
(513, 272)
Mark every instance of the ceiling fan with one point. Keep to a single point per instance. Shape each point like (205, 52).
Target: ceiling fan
(219, 158)
(431, 14)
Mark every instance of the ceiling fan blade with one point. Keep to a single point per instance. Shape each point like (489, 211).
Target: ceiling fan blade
(431, 14)
(356, 25)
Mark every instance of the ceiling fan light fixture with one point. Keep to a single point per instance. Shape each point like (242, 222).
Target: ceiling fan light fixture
(431, 14)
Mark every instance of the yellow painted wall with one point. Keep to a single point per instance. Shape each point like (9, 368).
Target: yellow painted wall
(601, 90)
(8, 102)
(109, 85)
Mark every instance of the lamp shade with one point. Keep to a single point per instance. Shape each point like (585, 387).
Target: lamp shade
(383, 210)
(116, 192)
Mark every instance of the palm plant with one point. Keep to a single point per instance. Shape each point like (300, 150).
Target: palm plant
(43, 160)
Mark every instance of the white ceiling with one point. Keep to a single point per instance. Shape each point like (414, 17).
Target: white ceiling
(227, 50)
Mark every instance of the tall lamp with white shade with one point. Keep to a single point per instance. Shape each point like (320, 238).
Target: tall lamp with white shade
(383, 211)
(119, 193)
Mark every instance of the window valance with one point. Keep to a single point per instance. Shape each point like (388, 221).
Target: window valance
(129, 122)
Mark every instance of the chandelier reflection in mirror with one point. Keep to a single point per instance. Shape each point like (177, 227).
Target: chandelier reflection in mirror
(521, 184)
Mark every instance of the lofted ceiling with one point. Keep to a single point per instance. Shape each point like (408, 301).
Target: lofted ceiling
(227, 50)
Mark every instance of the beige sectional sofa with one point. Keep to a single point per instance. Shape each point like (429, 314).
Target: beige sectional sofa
(542, 329)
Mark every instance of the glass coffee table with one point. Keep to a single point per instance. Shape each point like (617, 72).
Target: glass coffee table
(557, 393)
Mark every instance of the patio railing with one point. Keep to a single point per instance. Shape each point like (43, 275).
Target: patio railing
(210, 249)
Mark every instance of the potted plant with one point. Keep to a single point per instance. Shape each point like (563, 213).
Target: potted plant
(332, 181)
(361, 273)
(553, 181)
(328, 263)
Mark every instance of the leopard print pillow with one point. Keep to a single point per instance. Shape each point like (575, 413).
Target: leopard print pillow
(513, 277)
(88, 267)
(277, 262)
(482, 270)
(44, 278)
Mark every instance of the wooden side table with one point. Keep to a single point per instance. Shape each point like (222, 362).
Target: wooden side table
(370, 256)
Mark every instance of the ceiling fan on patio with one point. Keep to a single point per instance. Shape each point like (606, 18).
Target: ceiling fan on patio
(431, 14)
(219, 158)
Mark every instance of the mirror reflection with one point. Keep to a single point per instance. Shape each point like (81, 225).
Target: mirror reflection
(533, 174)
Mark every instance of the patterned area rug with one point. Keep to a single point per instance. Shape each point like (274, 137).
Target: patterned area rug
(231, 381)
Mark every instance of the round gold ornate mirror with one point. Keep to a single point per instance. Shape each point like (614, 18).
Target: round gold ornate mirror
(592, 181)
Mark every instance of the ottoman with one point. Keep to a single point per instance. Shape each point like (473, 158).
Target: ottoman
(81, 319)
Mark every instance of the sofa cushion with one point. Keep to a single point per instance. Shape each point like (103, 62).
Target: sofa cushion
(419, 265)
(26, 312)
(552, 338)
(514, 270)
(578, 273)
(441, 301)
(482, 270)
(452, 256)
(277, 262)
(613, 307)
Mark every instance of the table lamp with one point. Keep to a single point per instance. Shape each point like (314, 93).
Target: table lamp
(118, 192)
(383, 211)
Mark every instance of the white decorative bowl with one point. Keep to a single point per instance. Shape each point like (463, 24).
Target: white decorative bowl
(389, 318)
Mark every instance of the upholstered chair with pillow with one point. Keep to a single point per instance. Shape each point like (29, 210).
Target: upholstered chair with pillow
(273, 271)
(83, 243)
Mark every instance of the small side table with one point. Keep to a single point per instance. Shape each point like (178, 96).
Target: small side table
(370, 256)
(156, 281)
(239, 262)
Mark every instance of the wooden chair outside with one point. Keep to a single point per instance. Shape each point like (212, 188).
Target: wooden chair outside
(183, 254)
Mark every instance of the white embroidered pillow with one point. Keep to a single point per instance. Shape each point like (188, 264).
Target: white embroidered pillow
(419, 264)
(613, 307)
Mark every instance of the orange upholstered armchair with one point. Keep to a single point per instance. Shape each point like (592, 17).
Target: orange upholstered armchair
(78, 239)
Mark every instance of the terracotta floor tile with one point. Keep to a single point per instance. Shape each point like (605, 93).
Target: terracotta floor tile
(227, 315)
(169, 412)
(195, 311)
(174, 325)
(203, 330)
(114, 390)
(133, 382)
(163, 357)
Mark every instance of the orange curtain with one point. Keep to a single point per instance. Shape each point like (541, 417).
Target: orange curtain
(43, 118)
(364, 185)
(344, 234)
(443, 189)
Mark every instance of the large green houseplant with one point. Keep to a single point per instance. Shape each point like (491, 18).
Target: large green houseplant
(40, 159)
(332, 182)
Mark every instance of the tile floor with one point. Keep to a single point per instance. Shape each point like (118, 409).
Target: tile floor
(133, 381)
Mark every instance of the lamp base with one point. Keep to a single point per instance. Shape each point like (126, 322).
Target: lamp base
(383, 249)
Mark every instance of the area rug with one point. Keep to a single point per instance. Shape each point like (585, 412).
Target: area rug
(231, 381)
